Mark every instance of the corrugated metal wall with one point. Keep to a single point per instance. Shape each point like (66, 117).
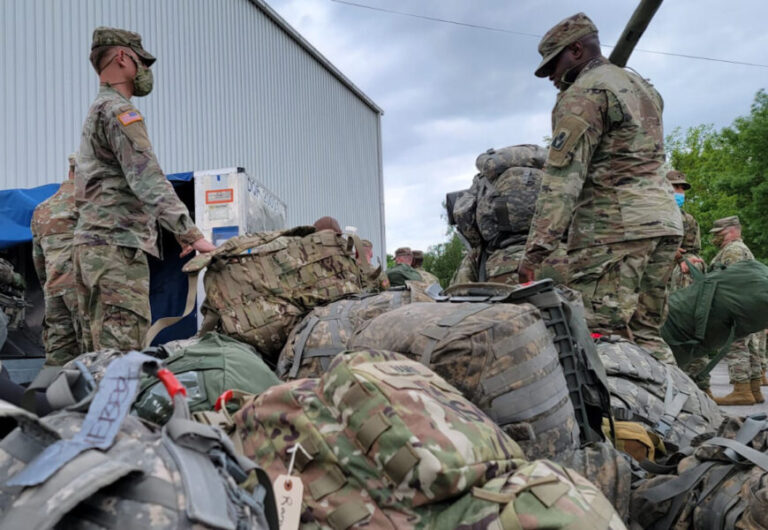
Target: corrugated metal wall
(232, 88)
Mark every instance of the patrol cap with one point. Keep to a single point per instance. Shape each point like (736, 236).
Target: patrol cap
(677, 178)
(403, 251)
(104, 36)
(72, 158)
(418, 258)
(418, 254)
(565, 32)
(725, 222)
(328, 223)
(366, 243)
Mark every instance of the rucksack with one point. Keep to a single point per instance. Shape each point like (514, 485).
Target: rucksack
(379, 441)
(500, 356)
(720, 483)
(325, 331)
(108, 469)
(659, 395)
(258, 286)
(494, 162)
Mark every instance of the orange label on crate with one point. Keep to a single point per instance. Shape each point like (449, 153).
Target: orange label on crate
(219, 196)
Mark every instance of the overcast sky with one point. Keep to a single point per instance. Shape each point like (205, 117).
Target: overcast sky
(450, 92)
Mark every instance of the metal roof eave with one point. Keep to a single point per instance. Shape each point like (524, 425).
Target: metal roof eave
(319, 57)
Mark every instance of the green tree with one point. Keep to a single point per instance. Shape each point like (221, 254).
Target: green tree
(443, 259)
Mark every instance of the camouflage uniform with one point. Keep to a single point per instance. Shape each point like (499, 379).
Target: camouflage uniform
(603, 184)
(692, 245)
(53, 227)
(121, 195)
(12, 304)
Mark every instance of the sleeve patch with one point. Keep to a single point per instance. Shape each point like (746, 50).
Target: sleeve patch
(126, 118)
(567, 134)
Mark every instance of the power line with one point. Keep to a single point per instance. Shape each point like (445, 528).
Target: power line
(504, 30)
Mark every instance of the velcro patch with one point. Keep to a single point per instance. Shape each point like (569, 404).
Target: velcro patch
(569, 131)
(126, 118)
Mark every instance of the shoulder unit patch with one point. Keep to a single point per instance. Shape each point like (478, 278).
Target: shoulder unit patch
(126, 118)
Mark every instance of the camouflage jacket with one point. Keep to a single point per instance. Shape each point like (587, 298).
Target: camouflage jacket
(53, 229)
(427, 276)
(691, 234)
(120, 190)
(731, 253)
(603, 172)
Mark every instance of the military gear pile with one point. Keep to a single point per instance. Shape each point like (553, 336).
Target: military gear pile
(383, 441)
(12, 302)
(258, 286)
(658, 395)
(324, 333)
(500, 356)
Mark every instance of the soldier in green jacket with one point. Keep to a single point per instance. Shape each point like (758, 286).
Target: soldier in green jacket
(121, 195)
(53, 232)
(603, 184)
(403, 271)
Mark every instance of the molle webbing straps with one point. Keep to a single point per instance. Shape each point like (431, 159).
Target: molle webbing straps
(439, 332)
(674, 400)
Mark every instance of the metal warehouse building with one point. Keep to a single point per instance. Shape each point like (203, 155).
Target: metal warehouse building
(235, 85)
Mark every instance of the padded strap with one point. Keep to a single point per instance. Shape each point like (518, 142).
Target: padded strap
(162, 323)
(674, 400)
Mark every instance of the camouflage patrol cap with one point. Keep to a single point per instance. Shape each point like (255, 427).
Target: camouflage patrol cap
(104, 36)
(565, 32)
(677, 178)
(403, 251)
(725, 222)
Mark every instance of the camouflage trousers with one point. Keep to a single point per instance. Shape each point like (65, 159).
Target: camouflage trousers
(744, 363)
(501, 266)
(759, 344)
(61, 328)
(113, 296)
(624, 288)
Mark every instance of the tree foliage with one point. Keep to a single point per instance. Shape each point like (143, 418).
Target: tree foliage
(728, 172)
(443, 259)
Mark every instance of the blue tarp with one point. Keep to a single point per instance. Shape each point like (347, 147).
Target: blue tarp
(16, 207)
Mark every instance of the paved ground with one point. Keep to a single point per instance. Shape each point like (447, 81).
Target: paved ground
(720, 387)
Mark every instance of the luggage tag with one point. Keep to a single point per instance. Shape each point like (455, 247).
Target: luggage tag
(288, 494)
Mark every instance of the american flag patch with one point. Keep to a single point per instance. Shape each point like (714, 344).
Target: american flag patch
(126, 118)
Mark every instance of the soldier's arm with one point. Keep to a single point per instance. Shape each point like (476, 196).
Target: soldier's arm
(38, 259)
(127, 135)
(579, 122)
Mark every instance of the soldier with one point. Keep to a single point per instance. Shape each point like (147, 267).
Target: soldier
(418, 261)
(744, 363)
(121, 195)
(603, 184)
(53, 232)
(376, 279)
(403, 271)
(691, 244)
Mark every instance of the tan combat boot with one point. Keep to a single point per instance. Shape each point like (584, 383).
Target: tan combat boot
(741, 395)
(756, 392)
(764, 381)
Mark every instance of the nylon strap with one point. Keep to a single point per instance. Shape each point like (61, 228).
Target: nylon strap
(673, 404)
(714, 513)
(681, 484)
(162, 323)
(332, 480)
(751, 427)
(436, 334)
(371, 429)
(717, 358)
(42, 380)
(347, 514)
(110, 405)
(401, 463)
(301, 341)
(756, 457)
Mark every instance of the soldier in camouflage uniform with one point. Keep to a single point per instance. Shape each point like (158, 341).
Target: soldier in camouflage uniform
(418, 261)
(121, 195)
(403, 271)
(691, 244)
(744, 362)
(374, 281)
(603, 184)
(53, 231)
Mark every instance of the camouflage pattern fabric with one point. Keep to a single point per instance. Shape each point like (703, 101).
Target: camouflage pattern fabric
(113, 296)
(120, 191)
(501, 266)
(759, 340)
(427, 277)
(494, 162)
(466, 272)
(464, 210)
(498, 355)
(540, 494)
(681, 280)
(12, 303)
(691, 234)
(639, 386)
(325, 331)
(716, 490)
(603, 181)
(386, 441)
(624, 289)
(258, 286)
(53, 228)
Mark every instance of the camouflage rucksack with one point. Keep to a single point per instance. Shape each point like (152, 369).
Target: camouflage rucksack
(537, 495)
(380, 441)
(258, 286)
(12, 286)
(107, 469)
(494, 162)
(500, 356)
(659, 395)
(324, 333)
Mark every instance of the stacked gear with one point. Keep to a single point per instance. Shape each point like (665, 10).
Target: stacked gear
(379, 441)
(109, 470)
(500, 356)
(720, 482)
(324, 333)
(12, 302)
(494, 215)
(660, 396)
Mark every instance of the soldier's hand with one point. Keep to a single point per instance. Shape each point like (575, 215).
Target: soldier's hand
(201, 245)
(679, 255)
(684, 267)
(525, 273)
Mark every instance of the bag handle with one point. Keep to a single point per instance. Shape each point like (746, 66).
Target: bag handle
(162, 323)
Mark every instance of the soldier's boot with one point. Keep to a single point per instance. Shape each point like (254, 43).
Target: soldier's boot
(756, 392)
(741, 395)
(764, 381)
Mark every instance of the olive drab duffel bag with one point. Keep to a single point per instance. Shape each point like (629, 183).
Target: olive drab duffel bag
(380, 441)
(720, 483)
(658, 395)
(258, 286)
(325, 331)
(500, 356)
(107, 469)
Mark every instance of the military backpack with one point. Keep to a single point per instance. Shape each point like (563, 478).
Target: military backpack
(12, 303)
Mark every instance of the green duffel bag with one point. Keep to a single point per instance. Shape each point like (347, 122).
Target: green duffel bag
(206, 367)
(719, 307)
